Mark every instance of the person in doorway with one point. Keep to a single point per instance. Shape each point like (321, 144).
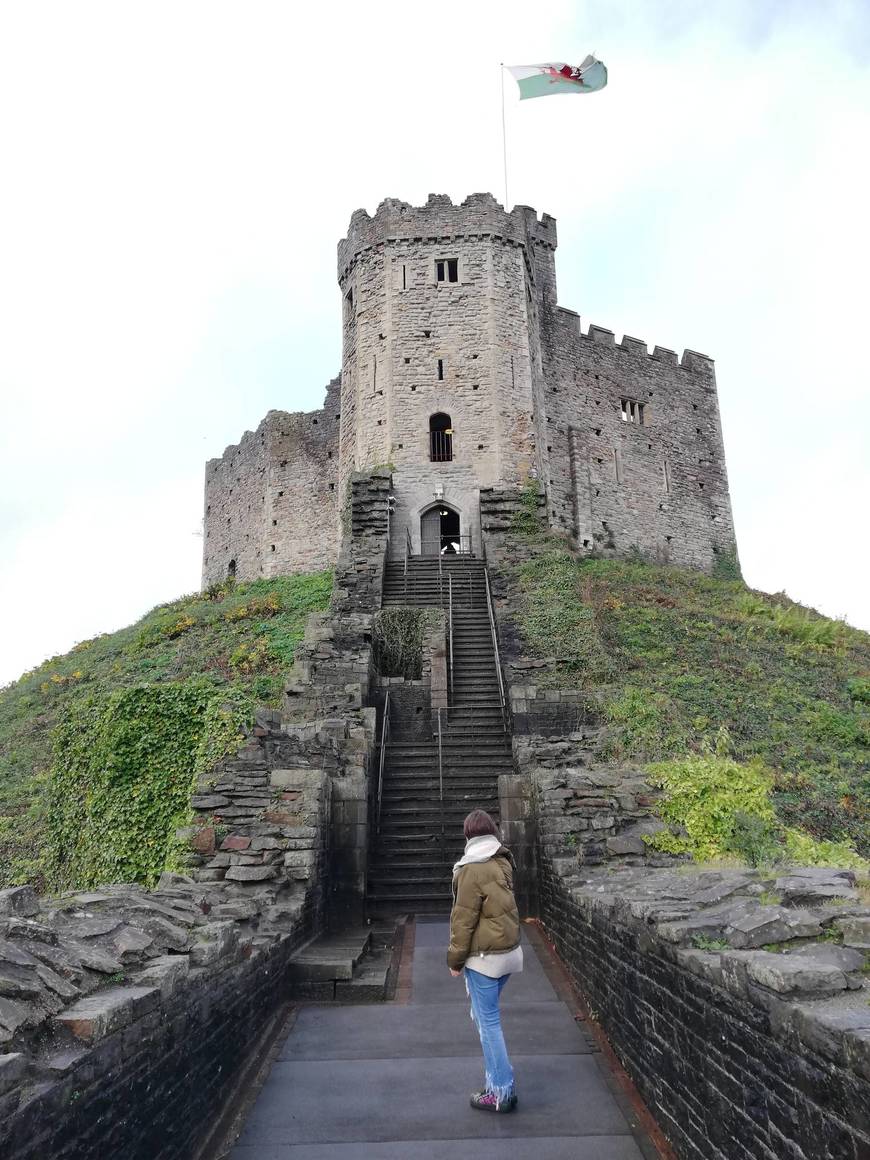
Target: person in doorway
(485, 943)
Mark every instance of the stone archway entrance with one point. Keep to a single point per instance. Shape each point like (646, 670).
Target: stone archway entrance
(439, 531)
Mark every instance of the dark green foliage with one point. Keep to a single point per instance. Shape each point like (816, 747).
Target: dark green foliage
(239, 637)
(527, 520)
(397, 639)
(673, 655)
(123, 772)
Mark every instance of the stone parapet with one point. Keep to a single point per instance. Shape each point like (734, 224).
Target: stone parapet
(736, 1000)
(439, 219)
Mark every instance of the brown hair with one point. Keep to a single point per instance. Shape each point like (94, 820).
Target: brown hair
(477, 824)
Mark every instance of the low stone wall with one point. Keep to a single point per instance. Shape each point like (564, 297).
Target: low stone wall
(737, 1002)
(125, 1013)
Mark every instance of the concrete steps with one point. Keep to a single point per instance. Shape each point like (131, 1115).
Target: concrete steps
(420, 837)
(351, 966)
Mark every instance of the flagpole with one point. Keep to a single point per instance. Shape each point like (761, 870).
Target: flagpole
(504, 138)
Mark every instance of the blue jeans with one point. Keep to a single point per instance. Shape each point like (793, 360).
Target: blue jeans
(484, 994)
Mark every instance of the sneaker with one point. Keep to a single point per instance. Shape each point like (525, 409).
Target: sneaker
(488, 1102)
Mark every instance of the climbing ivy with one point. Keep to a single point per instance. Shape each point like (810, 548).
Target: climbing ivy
(123, 774)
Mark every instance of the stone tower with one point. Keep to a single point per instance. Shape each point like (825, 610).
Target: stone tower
(460, 371)
(441, 370)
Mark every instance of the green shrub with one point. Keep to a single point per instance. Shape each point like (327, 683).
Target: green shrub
(718, 807)
(397, 641)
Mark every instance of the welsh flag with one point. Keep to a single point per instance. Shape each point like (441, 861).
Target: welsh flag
(545, 80)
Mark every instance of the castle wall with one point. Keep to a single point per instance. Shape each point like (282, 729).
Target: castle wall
(271, 501)
(659, 485)
(528, 394)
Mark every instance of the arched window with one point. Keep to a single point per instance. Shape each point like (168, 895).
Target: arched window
(440, 438)
(231, 570)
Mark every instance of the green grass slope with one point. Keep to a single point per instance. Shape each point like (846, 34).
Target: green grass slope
(676, 659)
(241, 638)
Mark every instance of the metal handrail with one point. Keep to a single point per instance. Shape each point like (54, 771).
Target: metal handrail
(433, 545)
(450, 635)
(385, 733)
(440, 782)
(409, 551)
(491, 611)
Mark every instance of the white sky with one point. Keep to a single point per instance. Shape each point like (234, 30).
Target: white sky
(174, 177)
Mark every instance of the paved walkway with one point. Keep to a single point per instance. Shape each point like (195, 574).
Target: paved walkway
(391, 1081)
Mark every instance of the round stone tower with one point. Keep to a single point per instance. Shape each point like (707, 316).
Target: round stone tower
(441, 363)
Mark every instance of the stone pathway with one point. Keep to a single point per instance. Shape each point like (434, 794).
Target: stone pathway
(391, 1081)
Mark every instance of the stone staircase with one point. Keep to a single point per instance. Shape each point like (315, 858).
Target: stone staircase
(420, 837)
(349, 966)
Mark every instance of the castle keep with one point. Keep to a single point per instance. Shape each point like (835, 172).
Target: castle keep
(461, 372)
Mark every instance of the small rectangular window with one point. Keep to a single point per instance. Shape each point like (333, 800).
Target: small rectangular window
(617, 464)
(632, 411)
(441, 370)
(447, 270)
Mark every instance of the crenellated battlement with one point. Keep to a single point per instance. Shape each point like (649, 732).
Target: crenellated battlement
(691, 360)
(480, 215)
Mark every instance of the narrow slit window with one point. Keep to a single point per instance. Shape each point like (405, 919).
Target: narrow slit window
(404, 277)
(447, 270)
(666, 475)
(348, 306)
(441, 370)
(617, 464)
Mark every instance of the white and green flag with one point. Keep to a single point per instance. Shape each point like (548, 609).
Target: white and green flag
(545, 80)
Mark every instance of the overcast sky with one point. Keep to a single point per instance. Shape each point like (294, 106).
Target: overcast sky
(175, 177)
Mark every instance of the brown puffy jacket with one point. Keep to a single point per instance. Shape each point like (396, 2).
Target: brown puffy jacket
(484, 919)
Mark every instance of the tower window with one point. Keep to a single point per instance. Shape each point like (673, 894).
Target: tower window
(441, 370)
(632, 412)
(440, 438)
(348, 306)
(447, 270)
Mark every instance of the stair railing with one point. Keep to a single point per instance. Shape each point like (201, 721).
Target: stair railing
(450, 635)
(491, 611)
(409, 551)
(385, 734)
(441, 784)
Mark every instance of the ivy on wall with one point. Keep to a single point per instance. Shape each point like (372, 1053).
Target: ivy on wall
(123, 774)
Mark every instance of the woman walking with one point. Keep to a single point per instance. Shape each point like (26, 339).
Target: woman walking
(485, 941)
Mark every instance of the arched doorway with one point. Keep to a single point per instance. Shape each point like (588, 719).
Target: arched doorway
(439, 531)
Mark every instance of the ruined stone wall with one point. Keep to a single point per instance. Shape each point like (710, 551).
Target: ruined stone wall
(271, 502)
(659, 484)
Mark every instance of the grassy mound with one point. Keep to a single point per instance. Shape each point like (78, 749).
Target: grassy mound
(237, 640)
(674, 656)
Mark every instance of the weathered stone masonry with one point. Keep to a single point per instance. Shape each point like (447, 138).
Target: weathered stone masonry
(452, 310)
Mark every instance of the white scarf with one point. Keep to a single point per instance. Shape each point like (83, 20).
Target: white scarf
(479, 850)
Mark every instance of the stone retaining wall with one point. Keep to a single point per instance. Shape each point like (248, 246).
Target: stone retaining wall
(740, 1052)
(125, 1013)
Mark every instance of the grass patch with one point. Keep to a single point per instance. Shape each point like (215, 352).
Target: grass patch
(231, 637)
(673, 655)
